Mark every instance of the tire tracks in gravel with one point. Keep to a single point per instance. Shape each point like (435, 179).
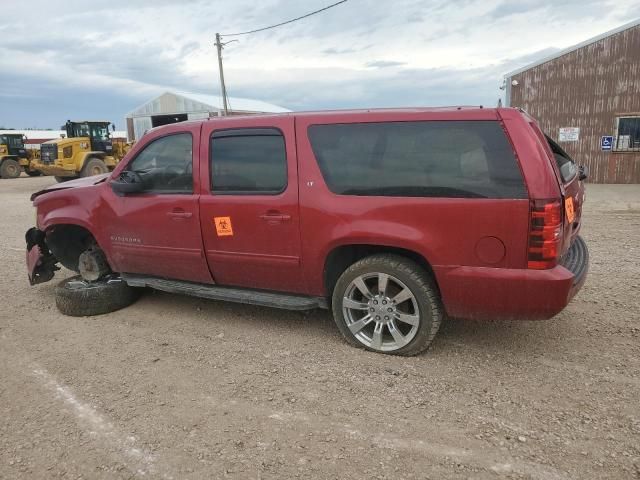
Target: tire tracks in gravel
(473, 454)
(98, 426)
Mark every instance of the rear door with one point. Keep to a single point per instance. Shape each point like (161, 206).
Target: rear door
(249, 203)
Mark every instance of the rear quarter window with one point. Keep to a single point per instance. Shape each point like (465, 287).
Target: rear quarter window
(463, 159)
(566, 165)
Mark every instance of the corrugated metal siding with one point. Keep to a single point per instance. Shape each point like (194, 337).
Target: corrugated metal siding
(588, 88)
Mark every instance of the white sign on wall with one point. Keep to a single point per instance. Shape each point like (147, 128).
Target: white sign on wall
(569, 134)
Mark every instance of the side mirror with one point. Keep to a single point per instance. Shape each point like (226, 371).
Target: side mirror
(583, 172)
(113, 127)
(127, 182)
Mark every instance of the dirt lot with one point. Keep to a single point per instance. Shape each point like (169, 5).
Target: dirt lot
(176, 387)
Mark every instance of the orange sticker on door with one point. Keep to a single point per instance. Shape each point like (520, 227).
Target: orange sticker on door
(568, 207)
(223, 226)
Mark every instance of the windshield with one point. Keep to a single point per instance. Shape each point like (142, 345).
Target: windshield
(15, 142)
(11, 141)
(565, 163)
(77, 130)
(100, 132)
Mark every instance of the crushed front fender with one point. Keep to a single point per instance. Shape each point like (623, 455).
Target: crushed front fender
(41, 264)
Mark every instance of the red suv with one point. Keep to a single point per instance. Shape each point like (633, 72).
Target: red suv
(391, 218)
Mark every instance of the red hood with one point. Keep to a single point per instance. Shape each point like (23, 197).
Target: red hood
(77, 183)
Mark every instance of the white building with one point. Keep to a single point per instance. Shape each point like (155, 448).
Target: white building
(172, 107)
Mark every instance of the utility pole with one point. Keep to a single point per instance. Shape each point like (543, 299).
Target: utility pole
(219, 46)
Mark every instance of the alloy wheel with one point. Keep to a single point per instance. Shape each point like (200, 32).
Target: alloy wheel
(381, 312)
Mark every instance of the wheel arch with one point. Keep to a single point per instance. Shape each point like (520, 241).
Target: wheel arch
(68, 239)
(89, 155)
(343, 256)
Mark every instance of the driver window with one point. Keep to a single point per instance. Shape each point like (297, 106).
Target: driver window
(166, 164)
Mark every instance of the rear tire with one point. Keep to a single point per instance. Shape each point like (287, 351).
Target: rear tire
(78, 298)
(93, 166)
(10, 168)
(387, 304)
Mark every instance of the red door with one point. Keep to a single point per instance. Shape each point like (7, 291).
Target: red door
(249, 203)
(157, 232)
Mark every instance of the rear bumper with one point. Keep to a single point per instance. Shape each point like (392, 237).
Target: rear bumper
(513, 294)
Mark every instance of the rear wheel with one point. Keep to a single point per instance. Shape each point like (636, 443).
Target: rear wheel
(79, 298)
(10, 168)
(93, 166)
(388, 304)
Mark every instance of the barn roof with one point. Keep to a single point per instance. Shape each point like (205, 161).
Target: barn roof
(214, 102)
(560, 53)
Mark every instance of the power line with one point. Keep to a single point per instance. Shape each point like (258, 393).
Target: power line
(219, 46)
(283, 23)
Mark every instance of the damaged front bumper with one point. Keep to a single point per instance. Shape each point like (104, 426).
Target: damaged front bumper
(41, 264)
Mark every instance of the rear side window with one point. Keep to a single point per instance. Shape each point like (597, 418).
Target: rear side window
(466, 159)
(248, 161)
(565, 163)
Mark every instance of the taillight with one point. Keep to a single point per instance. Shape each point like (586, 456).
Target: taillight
(545, 234)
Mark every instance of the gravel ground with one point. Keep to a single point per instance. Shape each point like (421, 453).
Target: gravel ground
(182, 388)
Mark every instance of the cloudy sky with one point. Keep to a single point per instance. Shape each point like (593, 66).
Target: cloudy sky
(79, 59)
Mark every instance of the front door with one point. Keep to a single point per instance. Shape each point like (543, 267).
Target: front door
(249, 204)
(157, 232)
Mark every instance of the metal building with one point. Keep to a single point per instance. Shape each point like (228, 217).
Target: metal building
(588, 98)
(172, 107)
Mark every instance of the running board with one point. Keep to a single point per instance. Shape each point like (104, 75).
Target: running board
(230, 294)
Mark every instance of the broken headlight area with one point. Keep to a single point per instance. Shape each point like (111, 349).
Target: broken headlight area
(41, 263)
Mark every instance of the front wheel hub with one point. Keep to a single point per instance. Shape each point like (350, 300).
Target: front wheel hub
(93, 265)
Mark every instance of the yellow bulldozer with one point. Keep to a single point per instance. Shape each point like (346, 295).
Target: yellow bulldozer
(14, 157)
(87, 150)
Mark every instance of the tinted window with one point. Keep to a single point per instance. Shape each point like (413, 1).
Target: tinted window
(628, 133)
(166, 164)
(15, 142)
(248, 161)
(565, 163)
(439, 159)
(100, 132)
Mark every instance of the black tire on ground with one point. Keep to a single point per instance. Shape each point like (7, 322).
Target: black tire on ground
(32, 173)
(425, 304)
(10, 168)
(79, 298)
(93, 166)
(64, 179)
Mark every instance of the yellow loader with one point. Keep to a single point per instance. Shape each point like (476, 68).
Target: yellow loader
(87, 150)
(14, 156)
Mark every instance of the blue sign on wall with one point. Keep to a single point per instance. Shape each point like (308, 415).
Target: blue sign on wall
(606, 142)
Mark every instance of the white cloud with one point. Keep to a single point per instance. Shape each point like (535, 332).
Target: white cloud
(362, 53)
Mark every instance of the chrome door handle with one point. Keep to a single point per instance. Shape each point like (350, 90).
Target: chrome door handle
(275, 217)
(179, 214)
